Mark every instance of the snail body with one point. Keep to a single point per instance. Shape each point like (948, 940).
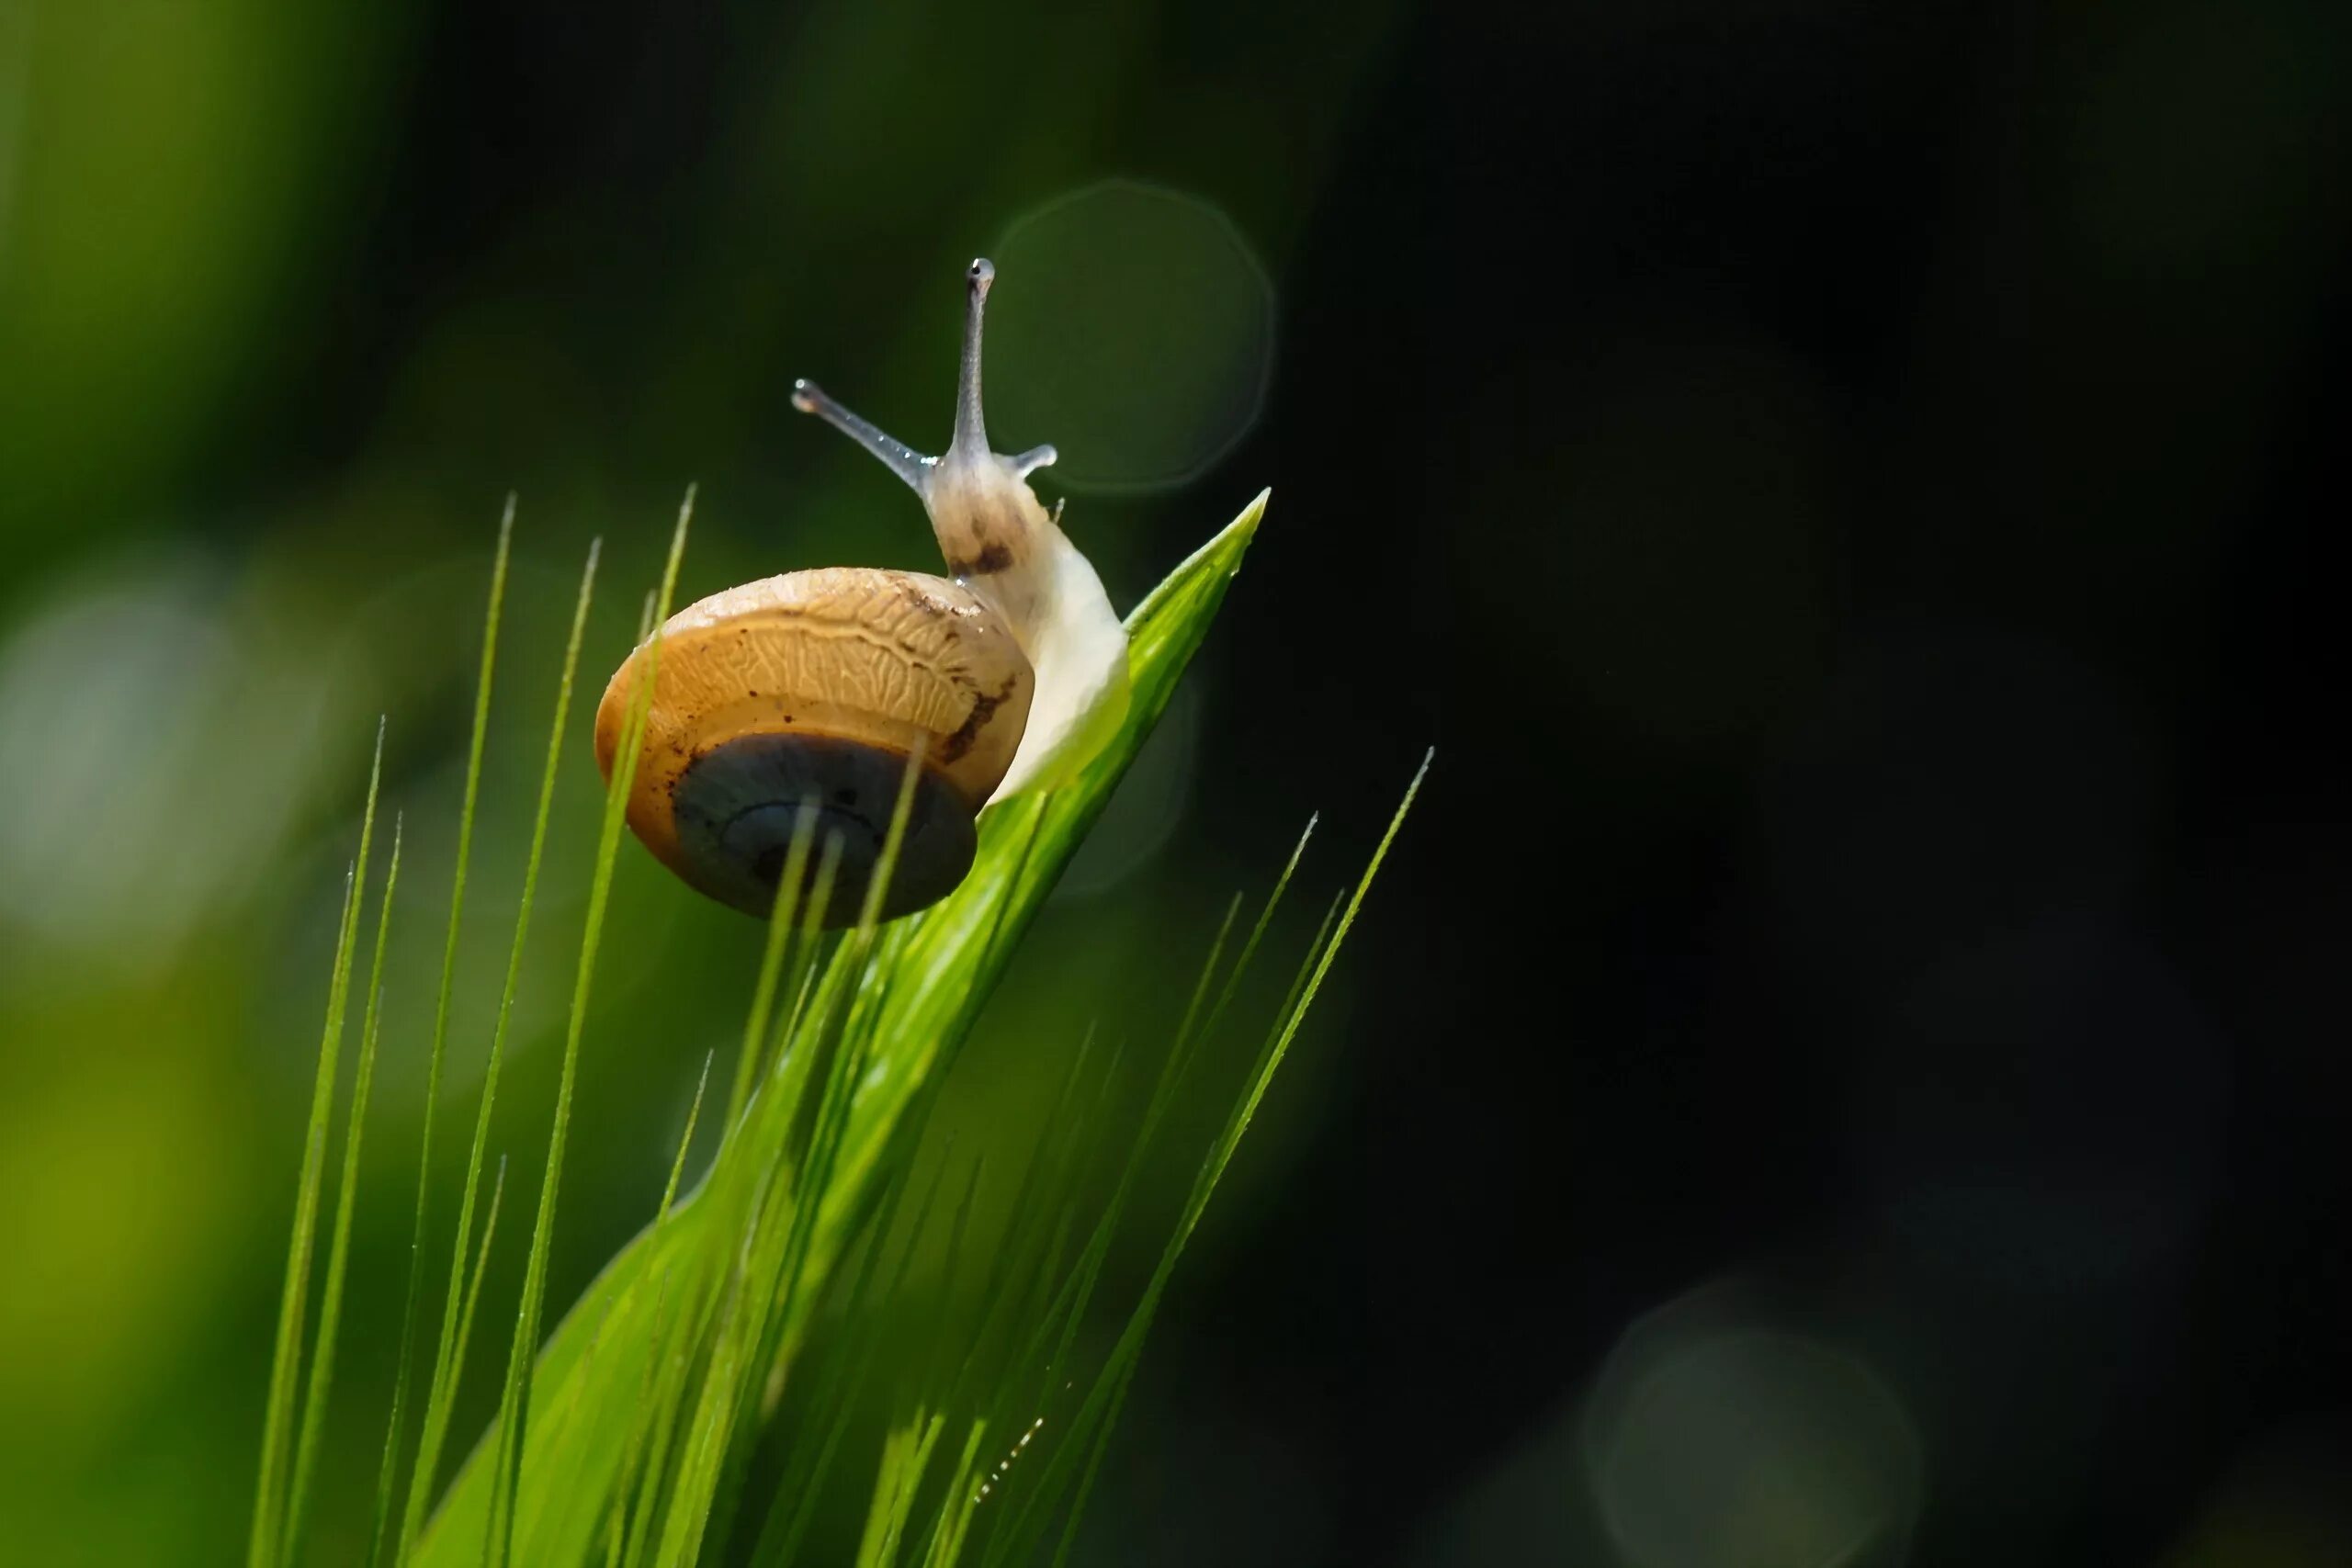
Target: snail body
(796, 704)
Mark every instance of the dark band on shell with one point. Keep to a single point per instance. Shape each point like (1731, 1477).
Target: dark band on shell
(738, 804)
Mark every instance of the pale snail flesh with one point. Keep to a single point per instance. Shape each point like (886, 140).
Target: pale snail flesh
(794, 704)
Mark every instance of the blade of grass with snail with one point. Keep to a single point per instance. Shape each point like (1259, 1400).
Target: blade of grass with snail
(924, 985)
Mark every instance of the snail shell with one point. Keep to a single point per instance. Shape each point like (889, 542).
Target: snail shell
(797, 702)
(809, 694)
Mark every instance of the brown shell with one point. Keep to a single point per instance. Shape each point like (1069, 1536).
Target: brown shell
(882, 658)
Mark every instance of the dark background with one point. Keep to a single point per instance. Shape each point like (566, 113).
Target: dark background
(1847, 491)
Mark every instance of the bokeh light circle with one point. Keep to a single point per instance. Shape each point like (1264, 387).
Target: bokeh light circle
(1133, 329)
(1719, 1440)
(153, 750)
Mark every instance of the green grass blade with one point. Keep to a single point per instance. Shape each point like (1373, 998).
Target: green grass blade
(570, 1409)
(473, 1278)
(1072, 1314)
(848, 1375)
(685, 1142)
(1097, 1446)
(270, 1502)
(1067, 1310)
(514, 1405)
(1091, 1429)
(322, 1353)
(956, 1510)
(440, 1389)
(641, 1420)
(768, 1327)
(1258, 928)
(780, 921)
(778, 1233)
(674, 1364)
(395, 1424)
(737, 1222)
(1028, 1225)
(1296, 1012)
(932, 975)
(641, 1415)
(906, 1454)
(793, 1503)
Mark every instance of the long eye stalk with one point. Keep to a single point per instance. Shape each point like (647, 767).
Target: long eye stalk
(971, 439)
(897, 455)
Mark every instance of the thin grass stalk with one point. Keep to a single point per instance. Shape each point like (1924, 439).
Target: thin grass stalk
(270, 1502)
(806, 1468)
(322, 1353)
(617, 1508)
(395, 1424)
(780, 922)
(642, 1415)
(516, 1405)
(738, 1326)
(1258, 928)
(1110, 1392)
(440, 1389)
(1088, 1430)
(570, 1409)
(753, 1334)
(473, 1278)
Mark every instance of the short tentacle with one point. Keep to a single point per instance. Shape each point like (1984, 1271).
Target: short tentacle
(1037, 457)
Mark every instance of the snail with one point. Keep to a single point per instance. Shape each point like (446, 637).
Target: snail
(803, 697)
